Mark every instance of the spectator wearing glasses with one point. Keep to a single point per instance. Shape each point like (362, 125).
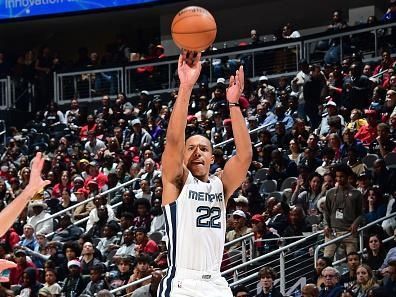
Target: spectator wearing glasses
(331, 286)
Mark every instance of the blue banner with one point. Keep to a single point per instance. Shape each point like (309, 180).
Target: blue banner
(11, 9)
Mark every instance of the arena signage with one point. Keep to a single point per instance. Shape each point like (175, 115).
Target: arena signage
(12, 9)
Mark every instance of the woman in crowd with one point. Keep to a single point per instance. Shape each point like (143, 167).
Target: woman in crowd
(376, 252)
(365, 281)
(309, 198)
(374, 206)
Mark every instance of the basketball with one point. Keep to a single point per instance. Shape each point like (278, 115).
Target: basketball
(193, 29)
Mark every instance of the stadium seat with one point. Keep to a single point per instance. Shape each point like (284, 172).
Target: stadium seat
(369, 160)
(288, 183)
(390, 160)
(268, 186)
(260, 175)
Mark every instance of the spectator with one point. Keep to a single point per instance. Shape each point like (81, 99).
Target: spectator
(88, 259)
(383, 143)
(261, 233)
(266, 280)
(382, 177)
(152, 288)
(39, 213)
(30, 286)
(128, 246)
(317, 276)
(51, 282)
(120, 276)
(348, 279)
(331, 287)
(239, 228)
(365, 281)
(343, 211)
(93, 144)
(28, 239)
(374, 206)
(143, 218)
(67, 231)
(376, 252)
(74, 284)
(97, 282)
(140, 137)
(109, 238)
(310, 290)
(94, 216)
(309, 198)
(141, 270)
(16, 274)
(144, 244)
(90, 126)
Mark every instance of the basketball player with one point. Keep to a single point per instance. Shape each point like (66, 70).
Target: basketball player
(194, 202)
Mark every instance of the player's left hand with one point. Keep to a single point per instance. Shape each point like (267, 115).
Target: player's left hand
(36, 183)
(236, 86)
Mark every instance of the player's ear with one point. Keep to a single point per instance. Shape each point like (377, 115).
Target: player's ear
(212, 159)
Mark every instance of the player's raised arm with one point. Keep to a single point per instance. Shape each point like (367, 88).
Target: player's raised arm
(36, 183)
(236, 168)
(174, 173)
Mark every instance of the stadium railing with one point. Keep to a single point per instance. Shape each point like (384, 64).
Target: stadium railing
(5, 93)
(273, 59)
(67, 210)
(293, 262)
(360, 236)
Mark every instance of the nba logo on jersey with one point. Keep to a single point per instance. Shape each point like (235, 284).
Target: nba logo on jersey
(179, 284)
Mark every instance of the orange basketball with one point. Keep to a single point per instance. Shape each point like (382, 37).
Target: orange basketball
(193, 28)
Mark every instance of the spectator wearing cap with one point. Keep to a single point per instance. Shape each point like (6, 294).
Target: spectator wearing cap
(193, 127)
(38, 209)
(94, 175)
(74, 283)
(368, 133)
(331, 108)
(82, 210)
(261, 233)
(139, 137)
(239, 228)
(16, 273)
(67, 231)
(263, 87)
(342, 212)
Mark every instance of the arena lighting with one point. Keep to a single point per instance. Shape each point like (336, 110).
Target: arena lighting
(15, 9)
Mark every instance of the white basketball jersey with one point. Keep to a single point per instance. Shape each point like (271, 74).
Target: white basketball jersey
(195, 224)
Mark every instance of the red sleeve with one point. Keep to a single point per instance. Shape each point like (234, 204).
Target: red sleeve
(14, 239)
(151, 247)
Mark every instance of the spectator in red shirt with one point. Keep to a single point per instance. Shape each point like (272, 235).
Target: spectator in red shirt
(90, 126)
(144, 244)
(10, 239)
(22, 263)
(368, 133)
(95, 175)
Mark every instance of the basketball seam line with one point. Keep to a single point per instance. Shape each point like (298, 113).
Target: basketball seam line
(173, 32)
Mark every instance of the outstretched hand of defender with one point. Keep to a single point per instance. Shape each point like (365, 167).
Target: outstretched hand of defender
(9, 214)
(36, 182)
(236, 86)
(189, 67)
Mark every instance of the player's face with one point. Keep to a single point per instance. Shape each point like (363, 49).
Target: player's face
(198, 156)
